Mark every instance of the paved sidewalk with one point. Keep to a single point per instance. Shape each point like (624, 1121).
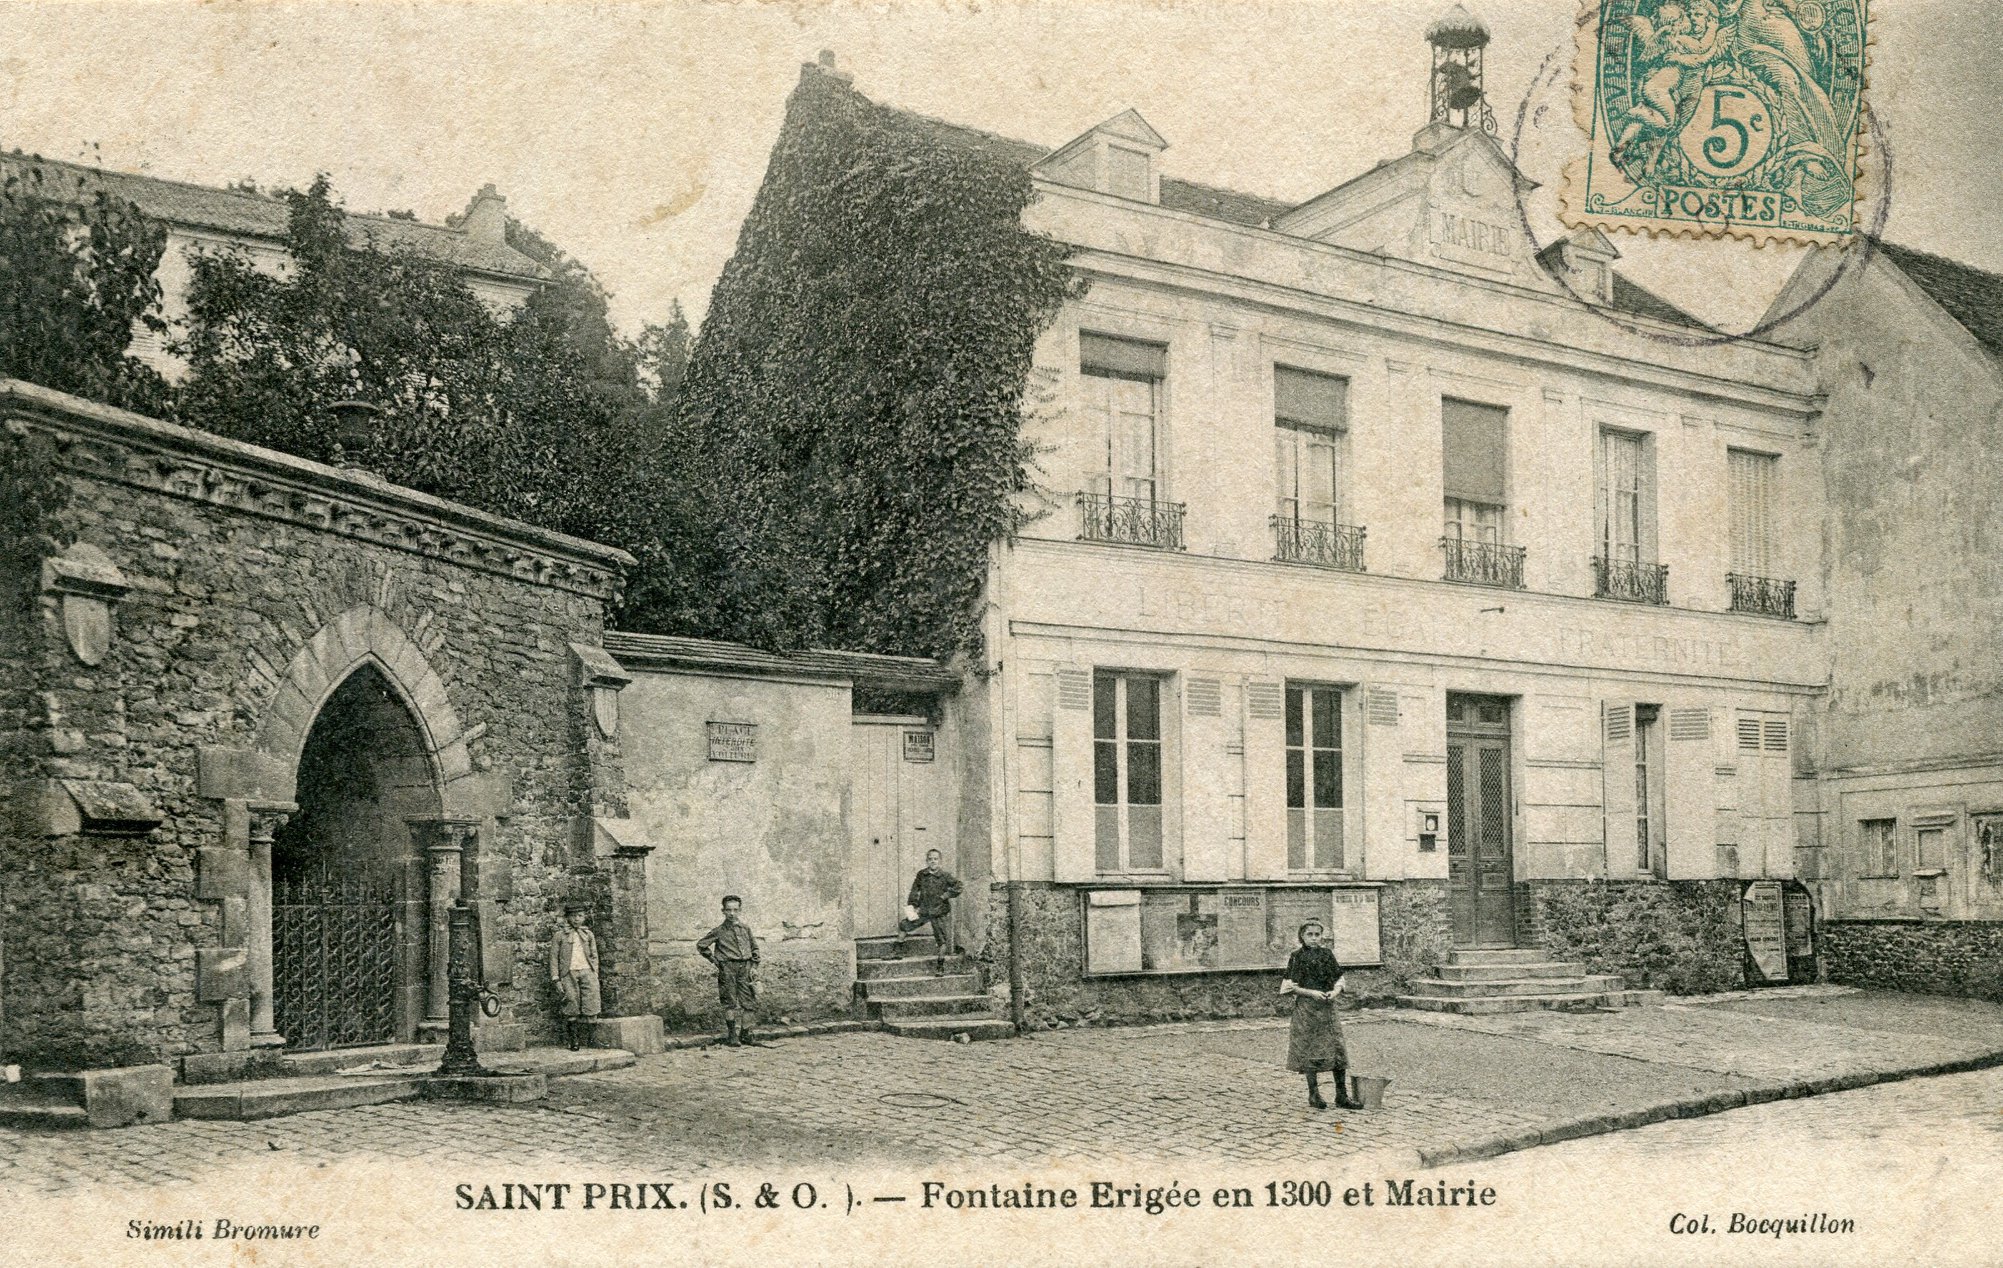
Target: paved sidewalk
(1209, 1093)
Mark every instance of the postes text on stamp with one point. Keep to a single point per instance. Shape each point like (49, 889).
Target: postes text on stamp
(1721, 117)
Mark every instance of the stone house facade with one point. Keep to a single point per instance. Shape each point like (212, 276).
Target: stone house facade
(255, 709)
(201, 218)
(1382, 581)
(1908, 864)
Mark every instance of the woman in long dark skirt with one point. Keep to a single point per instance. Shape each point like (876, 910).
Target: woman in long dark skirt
(1314, 1041)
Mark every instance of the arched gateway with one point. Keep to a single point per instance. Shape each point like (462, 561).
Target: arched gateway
(365, 865)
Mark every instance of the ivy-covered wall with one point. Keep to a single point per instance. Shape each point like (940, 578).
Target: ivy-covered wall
(851, 417)
(1677, 936)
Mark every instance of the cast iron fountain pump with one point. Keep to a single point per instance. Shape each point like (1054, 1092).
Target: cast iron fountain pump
(465, 992)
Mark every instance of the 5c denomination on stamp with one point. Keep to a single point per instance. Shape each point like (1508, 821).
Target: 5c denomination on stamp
(1712, 118)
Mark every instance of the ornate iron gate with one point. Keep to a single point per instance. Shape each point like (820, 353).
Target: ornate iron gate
(334, 958)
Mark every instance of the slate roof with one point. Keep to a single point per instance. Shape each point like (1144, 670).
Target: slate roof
(900, 672)
(1972, 296)
(1632, 297)
(1177, 195)
(1238, 208)
(251, 215)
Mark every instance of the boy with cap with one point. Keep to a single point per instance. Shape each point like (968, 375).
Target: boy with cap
(573, 970)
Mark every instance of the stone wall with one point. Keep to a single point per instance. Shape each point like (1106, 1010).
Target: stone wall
(1677, 936)
(773, 830)
(1932, 957)
(256, 582)
(1411, 916)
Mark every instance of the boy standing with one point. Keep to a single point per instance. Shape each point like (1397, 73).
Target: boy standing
(734, 952)
(573, 970)
(932, 893)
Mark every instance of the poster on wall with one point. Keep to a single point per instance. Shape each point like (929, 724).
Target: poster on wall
(1197, 931)
(1766, 929)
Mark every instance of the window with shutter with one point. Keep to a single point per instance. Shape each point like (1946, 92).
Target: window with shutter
(1878, 847)
(1473, 455)
(1122, 390)
(1753, 486)
(1310, 412)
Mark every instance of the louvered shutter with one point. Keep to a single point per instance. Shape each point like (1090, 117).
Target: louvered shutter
(1617, 785)
(1265, 779)
(1206, 800)
(1071, 808)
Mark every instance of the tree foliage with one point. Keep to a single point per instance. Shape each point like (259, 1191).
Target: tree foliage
(517, 413)
(76, 277)
(849, 442)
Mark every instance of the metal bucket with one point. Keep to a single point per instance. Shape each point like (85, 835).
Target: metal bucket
(1369, 1090)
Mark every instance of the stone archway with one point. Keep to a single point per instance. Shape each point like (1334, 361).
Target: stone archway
(365, 635)
(348, 876)
(361, 764)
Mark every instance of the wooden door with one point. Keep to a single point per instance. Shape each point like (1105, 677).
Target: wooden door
(896, 814)
(1480, 814)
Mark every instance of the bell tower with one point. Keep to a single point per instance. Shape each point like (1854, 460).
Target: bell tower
(1459, 101)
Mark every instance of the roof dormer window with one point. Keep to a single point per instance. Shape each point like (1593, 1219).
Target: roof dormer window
(1129, 173)
(1117, 158)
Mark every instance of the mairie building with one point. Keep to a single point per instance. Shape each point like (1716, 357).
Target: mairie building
(1400, 570)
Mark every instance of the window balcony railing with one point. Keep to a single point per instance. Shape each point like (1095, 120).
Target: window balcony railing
(1762, 596)
(1105, 517)
(1630, 581)
(1483, 563)
(1313, 542)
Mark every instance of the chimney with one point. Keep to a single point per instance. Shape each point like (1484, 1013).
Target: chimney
(487, 217)
(826, 65)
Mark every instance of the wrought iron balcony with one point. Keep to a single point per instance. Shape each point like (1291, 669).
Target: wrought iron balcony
(1313, 542)
(1763, 596)
(1483, 563)
(1131, 521)
(1630, 581)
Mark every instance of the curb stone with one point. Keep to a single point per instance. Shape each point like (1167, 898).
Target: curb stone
(1694, 1107)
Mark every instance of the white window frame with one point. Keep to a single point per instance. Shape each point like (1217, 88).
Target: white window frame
(1878, 847)
(1483, 522)
(1123, 745)
(1126, 406)
(1636, 516)
(1306, 751)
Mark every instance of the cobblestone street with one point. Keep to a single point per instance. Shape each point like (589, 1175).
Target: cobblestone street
(1205, 1104)
(1209, 1092)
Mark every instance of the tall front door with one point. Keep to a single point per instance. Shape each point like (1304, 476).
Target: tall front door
(896, 813)
(1480, 853)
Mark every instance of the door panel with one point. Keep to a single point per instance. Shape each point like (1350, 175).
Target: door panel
(896, 815)
(1480, 814)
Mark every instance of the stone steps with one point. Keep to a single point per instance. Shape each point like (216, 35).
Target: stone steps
(1486, 980)
(1585, 984)
(1498, 955)
(931, 1006)
(37, 1107)
(921, 984)
(871, 970)
(391, 1072)
(896, 946)
(1490, 1004)
(951, 1028)
(900, 982)
(1515, 971)
(270, 1098)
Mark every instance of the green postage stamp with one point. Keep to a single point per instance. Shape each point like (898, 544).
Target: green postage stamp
(1710, 118)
